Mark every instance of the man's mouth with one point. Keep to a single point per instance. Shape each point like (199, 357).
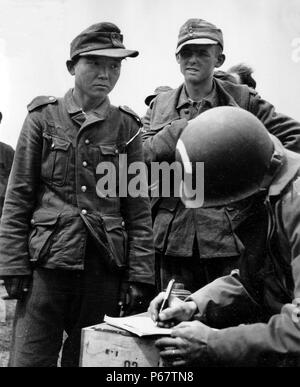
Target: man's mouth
(101, 85)
(192, 69)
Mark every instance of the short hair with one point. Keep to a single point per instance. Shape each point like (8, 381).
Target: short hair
(245, 73)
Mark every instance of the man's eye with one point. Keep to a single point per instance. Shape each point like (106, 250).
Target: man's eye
(115, 66)
(186, 53)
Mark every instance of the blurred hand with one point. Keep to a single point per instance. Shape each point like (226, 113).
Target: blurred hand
(187, 344)
(177, 311)
(135, 297)
(17, 287)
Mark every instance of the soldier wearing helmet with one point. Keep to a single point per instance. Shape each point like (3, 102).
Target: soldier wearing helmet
(250, 317)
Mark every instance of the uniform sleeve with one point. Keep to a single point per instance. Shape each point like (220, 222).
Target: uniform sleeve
(280, 125)
(281, 335)
(20, 200)
(10, 158)
(6, 160)
(160, 145)
(225, 302)
(137, 215)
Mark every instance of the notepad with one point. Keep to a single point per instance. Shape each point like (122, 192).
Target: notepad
(139, 325)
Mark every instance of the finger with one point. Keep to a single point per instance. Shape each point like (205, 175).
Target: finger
(165, 342)
(170, 313)
(177, 309)
(166, 324)
(182, 331)
(189, 325)
(183, 324)
(155, 305)
(180, 362)
(171, 353)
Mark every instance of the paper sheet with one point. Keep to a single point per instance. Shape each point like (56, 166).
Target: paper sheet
(139, 325)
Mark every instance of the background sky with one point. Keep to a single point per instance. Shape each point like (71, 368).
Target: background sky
(35, 37)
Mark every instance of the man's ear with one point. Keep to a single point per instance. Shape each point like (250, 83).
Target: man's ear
(70, 66)
(220, 59)
(177, 58)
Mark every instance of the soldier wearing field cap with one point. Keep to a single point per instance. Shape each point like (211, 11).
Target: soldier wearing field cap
(71, 252)
(195, 246)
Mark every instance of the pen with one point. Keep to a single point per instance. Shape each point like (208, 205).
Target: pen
(165, 302)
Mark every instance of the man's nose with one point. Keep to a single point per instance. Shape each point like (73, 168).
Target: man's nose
(103, 72)
(192, 58)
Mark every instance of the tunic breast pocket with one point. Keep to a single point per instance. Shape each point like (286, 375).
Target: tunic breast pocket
(56, 157)
(110, 164)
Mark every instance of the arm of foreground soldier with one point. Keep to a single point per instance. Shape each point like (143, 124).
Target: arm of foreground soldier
(138, 289)
(19, 202)
(160, 145)
(283, 127)
(194, 342)
(221, 303)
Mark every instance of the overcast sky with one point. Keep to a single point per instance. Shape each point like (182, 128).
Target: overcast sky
(35, 37)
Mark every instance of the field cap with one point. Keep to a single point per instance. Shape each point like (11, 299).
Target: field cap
(199, 31)
(158, 90)
(103, 39)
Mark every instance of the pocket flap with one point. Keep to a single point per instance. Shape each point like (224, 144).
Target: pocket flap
(60, 144)
(57, 143)
(44, 219)
(111, 223)
(108, 149)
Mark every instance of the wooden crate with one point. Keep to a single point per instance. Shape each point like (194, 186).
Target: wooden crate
(105, 346)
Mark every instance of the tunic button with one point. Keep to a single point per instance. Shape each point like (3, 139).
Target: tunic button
(52, 146)
(32, 221)
(83, 188)
(84, 212)
(84, 163)
(123, 223)
(87, 141)
(51, 98)
(116, 152)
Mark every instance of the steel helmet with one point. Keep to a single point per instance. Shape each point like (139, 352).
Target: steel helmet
(236, 150)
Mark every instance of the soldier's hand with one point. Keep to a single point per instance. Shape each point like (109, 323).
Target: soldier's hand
(177, 311)
(17, 287)
(138, 296)
(187, 344)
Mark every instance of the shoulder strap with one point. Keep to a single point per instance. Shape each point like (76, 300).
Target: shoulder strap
(130, 112)
(40, 101)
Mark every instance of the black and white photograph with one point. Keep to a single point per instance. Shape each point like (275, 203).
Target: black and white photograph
(150, 186)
